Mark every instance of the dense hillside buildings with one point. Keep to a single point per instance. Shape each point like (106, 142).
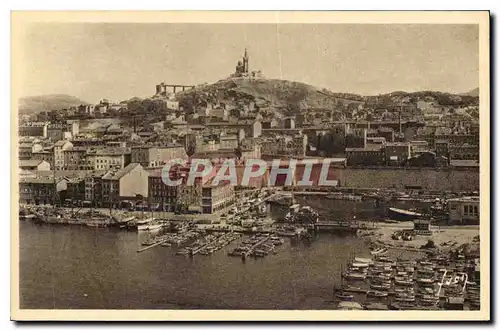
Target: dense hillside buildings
(102, 151)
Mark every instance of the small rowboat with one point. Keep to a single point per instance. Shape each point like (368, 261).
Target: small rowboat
(345, 297)
(353, 289)
(377, 294)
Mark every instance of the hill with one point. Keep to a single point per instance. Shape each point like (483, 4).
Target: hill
(291, 97)
(268, 92)
(36, 104)
(473, 92)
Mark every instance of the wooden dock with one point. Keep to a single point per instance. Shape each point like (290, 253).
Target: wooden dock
(244, 210)
(196, 251)
(140, 250)
(266, 238)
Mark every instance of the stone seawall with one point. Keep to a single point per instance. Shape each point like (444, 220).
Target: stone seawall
(428, 179)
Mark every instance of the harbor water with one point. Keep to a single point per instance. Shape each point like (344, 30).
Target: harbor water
(78, 267)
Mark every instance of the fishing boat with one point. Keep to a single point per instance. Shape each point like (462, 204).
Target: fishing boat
(25, 214)
(143, 224)
(403, 290)
(355, 276)
(363, 260)
(382, 266)
(403, 281)
(402, 214)
(401, 274)
(426, 263)
(376, 306)
(425, 280)
(405, 299)
(349, 305)
(359, 265)
(379, 251)
(381, 278)
(381, 258)
(428, 302)
(428, 297)
(378, 294)
(401, 305)
(182, 252)
(353, 289)
(426, 290)
(381, 287)
(396, 236)
(344, 297)
(405, 269)
(154, 226)
(426, 273)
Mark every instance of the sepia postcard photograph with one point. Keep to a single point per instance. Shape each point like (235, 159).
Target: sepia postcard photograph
(250, 166)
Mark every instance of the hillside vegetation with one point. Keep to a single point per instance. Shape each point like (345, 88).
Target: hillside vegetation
(283, 94)
(36, 104)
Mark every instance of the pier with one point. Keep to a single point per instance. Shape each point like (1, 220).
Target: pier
(335, 226)
(140, 250)
(197, 250)
(244, 210)
(252, 248)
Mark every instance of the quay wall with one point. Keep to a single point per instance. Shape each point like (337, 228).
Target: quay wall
(428, 179)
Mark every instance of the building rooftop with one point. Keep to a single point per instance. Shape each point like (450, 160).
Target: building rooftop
(230, 137)
(465, 199)
(60, 143)
(370, 148)
(37, 180)
(77, 149)
(31, 124)
(389, 144)
(109, 151)
(464, 163)
(146, 146)
(117, 174)
(29, 163)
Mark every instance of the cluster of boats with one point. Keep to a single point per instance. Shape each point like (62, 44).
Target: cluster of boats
(301, 215)
(344, 196)
(409, 284)
(146, 224)
(384, 277)
(473, 296)
(176, 238)
(257, 246)
(405, 235)
(210, 243)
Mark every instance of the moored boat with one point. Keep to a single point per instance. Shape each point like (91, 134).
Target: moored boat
(402, 214)
(379, 251)
(425, 280)
(353, 289)
(344, 297)
(354, 275)
(382, 287)
(376, 294)
(403, 281)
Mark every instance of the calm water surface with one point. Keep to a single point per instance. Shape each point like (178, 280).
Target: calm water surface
(77, 267)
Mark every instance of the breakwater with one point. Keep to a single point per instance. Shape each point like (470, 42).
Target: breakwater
(428, 179)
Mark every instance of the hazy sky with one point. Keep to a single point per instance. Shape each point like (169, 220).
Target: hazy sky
(120, 61)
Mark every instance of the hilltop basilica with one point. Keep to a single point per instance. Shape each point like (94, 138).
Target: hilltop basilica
(242, 68)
